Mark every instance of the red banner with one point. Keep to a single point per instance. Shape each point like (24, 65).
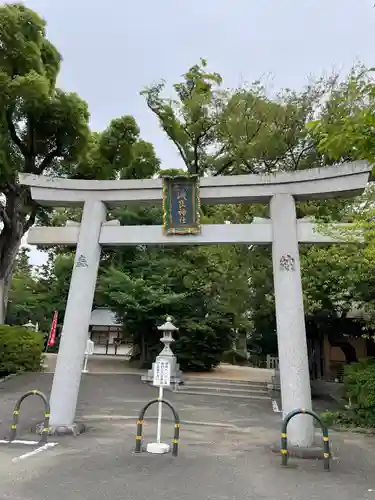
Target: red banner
(52, 333)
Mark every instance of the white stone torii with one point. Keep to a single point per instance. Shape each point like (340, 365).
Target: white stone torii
(283, 231)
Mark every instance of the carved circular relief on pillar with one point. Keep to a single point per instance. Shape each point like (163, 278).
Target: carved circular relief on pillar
(82, 261)
(287, 262)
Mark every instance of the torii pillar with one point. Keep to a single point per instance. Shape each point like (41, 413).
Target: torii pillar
(67, 376)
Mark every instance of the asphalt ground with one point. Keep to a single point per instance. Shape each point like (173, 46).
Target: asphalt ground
(224, 450)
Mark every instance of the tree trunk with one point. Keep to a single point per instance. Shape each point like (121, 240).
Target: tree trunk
(6, 271)
(2, 302)
(16, 221)
(142, 358)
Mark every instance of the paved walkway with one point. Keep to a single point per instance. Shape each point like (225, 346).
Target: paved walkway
(120, 397)
(211, 466)
(229, 460)
(119, 364)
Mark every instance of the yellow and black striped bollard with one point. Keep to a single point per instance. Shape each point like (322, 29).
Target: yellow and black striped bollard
(176, 436)
(284, 437)
(16, 413)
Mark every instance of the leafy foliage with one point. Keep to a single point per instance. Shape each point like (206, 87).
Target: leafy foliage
(39, 125)
(344, 128)
(35, 296)
(234, 357)
(219, 131)
(359, 383)
(44, 130)
(24, 297)
(161, 282)
(20, 350)
(216, 294)
(189, 121)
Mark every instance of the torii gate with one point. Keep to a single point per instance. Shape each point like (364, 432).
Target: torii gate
(283, 231)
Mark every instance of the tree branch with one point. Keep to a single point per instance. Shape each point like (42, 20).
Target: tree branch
(223, 168)
(31, 136)
(13, 134)
(48, 159)
(178, 146)
(304, 150)
(31, 220)
(10, 186)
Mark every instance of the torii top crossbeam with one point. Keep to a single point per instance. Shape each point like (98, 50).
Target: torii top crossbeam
(320, 183)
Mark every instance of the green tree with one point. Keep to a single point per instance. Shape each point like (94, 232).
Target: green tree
(344, 128)
(190, 119)
(39, 125)
(333, 278)
(242, 131)
(54, 280)
(198, 287)
(44, 130)
(217, 131)
(259, 134)
(117, 152)
(24, 296)
(36, 293)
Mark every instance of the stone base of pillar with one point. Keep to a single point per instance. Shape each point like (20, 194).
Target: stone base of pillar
(314, 452)
(63, 430)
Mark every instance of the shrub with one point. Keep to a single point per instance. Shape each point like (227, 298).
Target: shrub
(342, 418)
(359, 383)
(21, 350)
(200, 347)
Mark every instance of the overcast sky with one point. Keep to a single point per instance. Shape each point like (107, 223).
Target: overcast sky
(113, 49)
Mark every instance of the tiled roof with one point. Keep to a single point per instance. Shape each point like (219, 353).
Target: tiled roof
(103, 317)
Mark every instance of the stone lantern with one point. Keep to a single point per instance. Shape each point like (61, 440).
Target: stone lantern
(167, 330)
(30, 326)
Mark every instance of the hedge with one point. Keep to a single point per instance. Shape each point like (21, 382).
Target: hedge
(21, 350)
(359, 385)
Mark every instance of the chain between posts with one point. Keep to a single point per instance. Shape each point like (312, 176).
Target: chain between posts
(284, 438)
(176, 436)
(16, 413)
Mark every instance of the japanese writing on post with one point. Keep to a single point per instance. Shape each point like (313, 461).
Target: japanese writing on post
(162, 373)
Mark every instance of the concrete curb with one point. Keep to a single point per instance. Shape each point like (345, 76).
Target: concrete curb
(8, 377)
(353, 430)
(313, 453)
(105, 373)
(102, 418)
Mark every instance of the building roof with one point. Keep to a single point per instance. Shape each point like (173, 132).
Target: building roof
(103, 317)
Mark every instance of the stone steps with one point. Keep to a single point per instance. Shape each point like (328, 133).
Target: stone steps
(225, 388)
(223, 395)
(223, 381)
